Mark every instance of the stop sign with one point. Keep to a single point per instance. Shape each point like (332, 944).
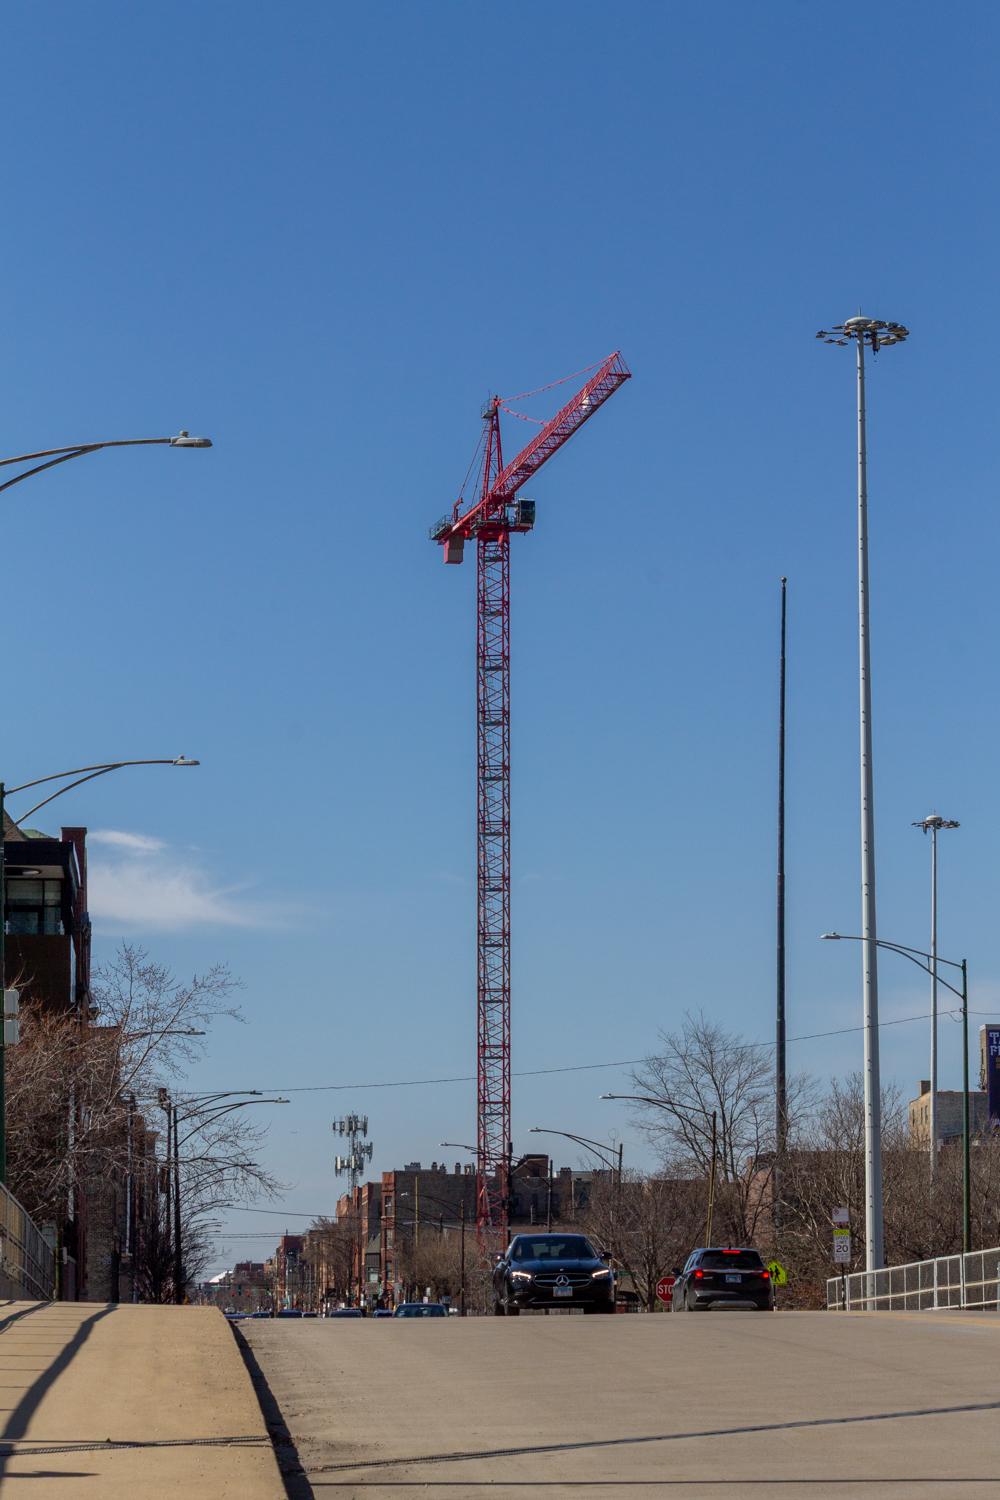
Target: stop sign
(663, 1287)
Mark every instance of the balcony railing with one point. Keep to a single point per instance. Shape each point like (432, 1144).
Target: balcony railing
(950, 1281)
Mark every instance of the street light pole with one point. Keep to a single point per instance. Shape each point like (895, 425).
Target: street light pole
(875, 333)
(91, 771)
(931, 825)
(966, 1164)
(915, 955)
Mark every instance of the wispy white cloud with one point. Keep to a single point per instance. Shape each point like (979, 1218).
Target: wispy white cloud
(137, 841)
(141, 885)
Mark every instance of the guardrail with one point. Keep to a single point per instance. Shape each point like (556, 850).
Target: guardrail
(26, 1260)
(950, 1281)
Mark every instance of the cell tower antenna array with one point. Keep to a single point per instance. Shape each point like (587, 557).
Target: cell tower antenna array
(490, 519)
(359, 1151)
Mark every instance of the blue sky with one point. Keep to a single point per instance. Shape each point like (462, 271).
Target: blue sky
(322, 237)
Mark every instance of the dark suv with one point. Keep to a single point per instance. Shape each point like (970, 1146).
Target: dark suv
(552, 1270)
(722, 1278)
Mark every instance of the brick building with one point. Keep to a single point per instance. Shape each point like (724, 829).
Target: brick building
(949, 1113)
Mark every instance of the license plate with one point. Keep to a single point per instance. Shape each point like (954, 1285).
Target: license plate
(737, 1279)
(562, 1291)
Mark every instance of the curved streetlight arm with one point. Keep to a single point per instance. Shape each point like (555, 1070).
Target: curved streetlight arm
(181, 441)
(93, 771)
(581, 1140)
(674, 1108)
(219, 1112)
(460, 1146)
(905, 953)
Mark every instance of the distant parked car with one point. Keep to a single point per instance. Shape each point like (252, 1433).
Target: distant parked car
(421, 1310)
(346, 1312)
(730, 1276)
(289, 1312)
(382, 1312)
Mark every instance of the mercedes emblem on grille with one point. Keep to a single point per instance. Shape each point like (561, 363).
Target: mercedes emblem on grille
(562, 1279)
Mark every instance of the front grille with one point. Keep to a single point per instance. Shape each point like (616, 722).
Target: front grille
(574, 1278)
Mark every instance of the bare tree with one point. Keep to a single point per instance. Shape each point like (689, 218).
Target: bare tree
(649, 1224)
(706, 1069)
(75, 1090)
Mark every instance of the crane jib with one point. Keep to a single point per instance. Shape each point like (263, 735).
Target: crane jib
(451, 534)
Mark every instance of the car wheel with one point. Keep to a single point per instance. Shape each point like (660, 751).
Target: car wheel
(498, 1307)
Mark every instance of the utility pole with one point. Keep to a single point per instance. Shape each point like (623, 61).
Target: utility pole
(711, 1184)
(780, 1090)
(178, 1257)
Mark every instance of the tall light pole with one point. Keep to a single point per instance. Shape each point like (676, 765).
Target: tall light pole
(931, 825)
(875, 333)
(91, 771)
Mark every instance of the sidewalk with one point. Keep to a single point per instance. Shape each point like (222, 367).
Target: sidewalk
(84, 1373)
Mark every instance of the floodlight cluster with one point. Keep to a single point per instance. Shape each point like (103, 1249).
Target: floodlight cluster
(872, 331)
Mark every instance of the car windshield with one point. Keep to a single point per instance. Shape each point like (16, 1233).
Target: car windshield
(552, 1247)
(731, 1260)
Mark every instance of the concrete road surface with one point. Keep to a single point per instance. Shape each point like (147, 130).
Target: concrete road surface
(768, 1406)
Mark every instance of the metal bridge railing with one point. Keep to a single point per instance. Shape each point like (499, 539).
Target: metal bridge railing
(950, 1281)
(25, 1258)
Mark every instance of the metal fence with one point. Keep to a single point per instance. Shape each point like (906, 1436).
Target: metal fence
(26, 1260)
(951, 1281)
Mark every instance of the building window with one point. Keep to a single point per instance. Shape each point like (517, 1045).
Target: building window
(34, 906)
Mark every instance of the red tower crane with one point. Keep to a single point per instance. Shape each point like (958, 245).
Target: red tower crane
(490, 519)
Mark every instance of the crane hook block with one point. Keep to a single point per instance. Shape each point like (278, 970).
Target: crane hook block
(454, 549)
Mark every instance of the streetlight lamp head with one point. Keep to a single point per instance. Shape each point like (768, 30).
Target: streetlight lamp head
(933, 820)
(834, 935)
(183, 761)
(185, 440)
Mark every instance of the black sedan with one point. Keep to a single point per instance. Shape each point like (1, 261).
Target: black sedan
(552, 1270)
(725, 1277)
(420, 1310)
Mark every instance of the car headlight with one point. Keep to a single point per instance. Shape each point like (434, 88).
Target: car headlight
(521, 1275)
(605, 1272)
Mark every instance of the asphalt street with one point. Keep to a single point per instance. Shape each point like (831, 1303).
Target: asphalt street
(712, 1404)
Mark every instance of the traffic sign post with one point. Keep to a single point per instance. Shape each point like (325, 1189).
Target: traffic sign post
(664, 1287)
(842, 1245)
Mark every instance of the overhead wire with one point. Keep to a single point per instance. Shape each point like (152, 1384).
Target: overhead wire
(628, 1062)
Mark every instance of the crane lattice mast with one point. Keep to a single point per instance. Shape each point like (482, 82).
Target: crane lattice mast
(490, 520)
